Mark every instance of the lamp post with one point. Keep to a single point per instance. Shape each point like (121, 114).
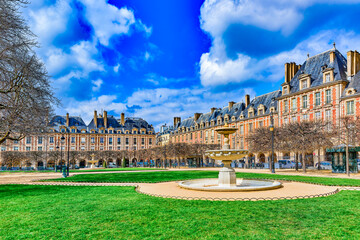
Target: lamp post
(272, 142)
(55, 165)
(68, 153)
(61, 147)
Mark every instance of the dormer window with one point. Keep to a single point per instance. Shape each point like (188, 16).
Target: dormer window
(261, 112)
(328, 75)
(304, 84)
(73, 130)
(304, 80)
(285, 89)
(83, 131)
(350, 91)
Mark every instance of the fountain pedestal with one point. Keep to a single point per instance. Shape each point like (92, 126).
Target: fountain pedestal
(227, 176)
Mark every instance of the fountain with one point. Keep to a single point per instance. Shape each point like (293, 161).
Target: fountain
(227, 181)
(92, 161)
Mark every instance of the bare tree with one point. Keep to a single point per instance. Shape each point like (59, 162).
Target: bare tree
(349, 134)
(306, 136)
(26, 97)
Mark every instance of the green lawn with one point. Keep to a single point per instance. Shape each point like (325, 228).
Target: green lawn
(116, 169)
(72, 212)
(89, 170)
(162, 176)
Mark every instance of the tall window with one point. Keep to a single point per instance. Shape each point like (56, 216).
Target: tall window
(142, 141)
(317, 115)
(28, 140)
(305, 117)
(92, 140)
(261, 123)
(110, 140)
(29, 148)
(126, 141)
(328, 115)
(40, 140)
(286, 120)
(328, 96)
(350, 107)
(101, 140)
(150, 141)
(293, 104)
(83, 140)
(250, 127)
(241, 143)
(51, 139)
(119, 141)
(293, 119)
(72, 139)
(286, 106)
(317, 99)
(305, 101)
(73, 130)
(241, 129)
(134, 140)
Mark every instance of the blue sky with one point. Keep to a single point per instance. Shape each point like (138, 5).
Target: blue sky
(159, 59)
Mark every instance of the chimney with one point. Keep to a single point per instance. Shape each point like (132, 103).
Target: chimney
(95, 119)
(196, 116)
(122, 119)
(105, 119)
(290, 71)
(353, 63)
(247, 100)
(176, 120)
(287, 73)
(231, 104)
(332, 56)
(67, 120)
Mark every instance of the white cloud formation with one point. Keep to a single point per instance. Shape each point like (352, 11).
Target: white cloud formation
(216, 68)
(157, 106)
(85, 109)
(108, 20)
(97, 84)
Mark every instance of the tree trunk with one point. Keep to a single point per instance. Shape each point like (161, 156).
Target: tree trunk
(297, 161)
(319, 159)
(303, 162)
(347, 157)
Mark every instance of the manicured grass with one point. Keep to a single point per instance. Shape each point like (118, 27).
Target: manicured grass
(88, 170)
(116, 169)
(73, 212)
(153, 177)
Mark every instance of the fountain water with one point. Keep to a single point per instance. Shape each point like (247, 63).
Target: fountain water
(227, 178)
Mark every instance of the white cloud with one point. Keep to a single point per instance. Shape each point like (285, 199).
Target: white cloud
(48, 22)
(216, 68)
(117, 67)
(97, 84)
(85, 109)
(108, 20)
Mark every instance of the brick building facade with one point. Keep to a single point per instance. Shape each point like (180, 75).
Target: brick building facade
(326, 86)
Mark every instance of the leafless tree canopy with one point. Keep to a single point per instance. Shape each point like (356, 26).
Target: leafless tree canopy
(26, 97)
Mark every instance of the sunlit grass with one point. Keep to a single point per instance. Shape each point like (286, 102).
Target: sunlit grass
(70, 212)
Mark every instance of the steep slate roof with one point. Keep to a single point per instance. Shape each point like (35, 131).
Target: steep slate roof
(268, 100)
(61, 120)
(313, 66)
(354, 83)
(130, 123)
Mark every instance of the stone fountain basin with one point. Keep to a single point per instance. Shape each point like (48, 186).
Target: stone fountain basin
(242, 185)
(226, 154)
